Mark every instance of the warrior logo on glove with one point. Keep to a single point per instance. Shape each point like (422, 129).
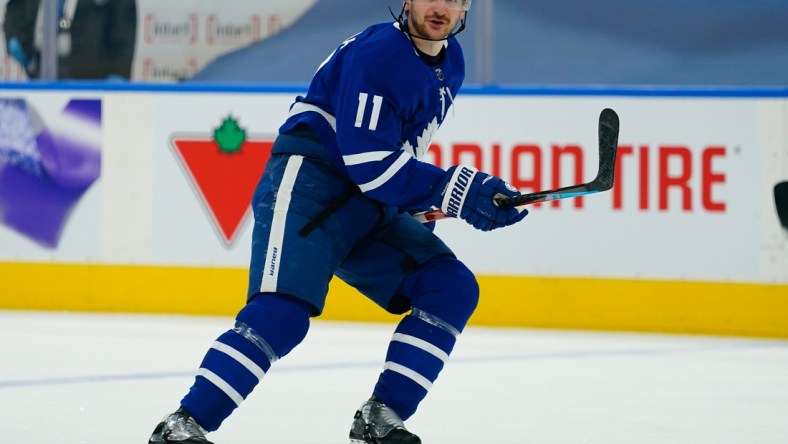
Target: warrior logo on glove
(460, 181)
(471, 195)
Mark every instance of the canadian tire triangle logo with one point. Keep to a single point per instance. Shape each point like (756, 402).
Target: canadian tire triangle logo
(224, 169)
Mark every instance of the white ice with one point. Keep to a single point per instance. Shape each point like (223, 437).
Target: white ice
(98, 378)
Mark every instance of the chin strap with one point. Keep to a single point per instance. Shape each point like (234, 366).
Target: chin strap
(404, 27)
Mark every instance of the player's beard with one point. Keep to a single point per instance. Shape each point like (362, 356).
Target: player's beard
(424, 30)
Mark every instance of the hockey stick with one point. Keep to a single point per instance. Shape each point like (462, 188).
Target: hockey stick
(608, 143)
(781, 202)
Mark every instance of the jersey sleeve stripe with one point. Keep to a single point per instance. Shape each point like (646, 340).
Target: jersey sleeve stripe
(388, 174)
(301, 107)
(358, 159)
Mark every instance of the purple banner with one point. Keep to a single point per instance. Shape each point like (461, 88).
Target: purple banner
(43, 175)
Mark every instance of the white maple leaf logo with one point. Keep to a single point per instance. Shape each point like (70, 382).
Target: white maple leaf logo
(423, 141)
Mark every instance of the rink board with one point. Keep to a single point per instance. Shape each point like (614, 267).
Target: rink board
(687, 241)
(756, 310)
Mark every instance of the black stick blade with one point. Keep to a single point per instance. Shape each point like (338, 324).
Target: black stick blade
(781, 202)
(608, 144)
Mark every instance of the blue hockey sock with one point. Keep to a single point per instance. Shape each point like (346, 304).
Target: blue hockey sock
(266, 329)
(444, 294)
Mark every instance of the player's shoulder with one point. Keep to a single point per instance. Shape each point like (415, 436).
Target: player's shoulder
(383, 42)
(386, 43)
(386, 56)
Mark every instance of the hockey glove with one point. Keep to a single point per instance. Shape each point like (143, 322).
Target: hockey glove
(470, 194)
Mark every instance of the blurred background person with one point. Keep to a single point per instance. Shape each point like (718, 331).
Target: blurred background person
(95, 38)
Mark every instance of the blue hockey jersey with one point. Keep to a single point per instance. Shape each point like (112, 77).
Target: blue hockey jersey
(375, 105)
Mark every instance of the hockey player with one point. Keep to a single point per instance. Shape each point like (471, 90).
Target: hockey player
(335, 200)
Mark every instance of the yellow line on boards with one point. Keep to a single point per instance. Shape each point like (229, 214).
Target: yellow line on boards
(715, 308)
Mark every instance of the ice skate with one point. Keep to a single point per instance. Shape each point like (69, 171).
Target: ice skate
(374, 423)
(178, 428)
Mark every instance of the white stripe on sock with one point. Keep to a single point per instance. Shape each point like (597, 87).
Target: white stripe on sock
(408, 373)
(222, 385)
(241, 358)
(422, 344)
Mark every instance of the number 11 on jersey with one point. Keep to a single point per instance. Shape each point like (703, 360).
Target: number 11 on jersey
(377, 101)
